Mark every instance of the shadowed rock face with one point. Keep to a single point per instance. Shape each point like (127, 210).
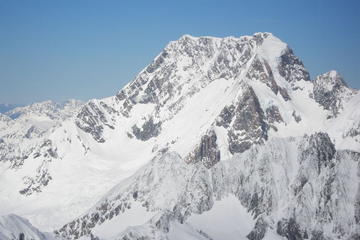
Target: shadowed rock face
(226, 116)
(148, 130)
(321, 148)
(245, 122)
(90, 120)
(291, 68)
(259, 230)
(207, 151)
(289, 229)
(273, 115)
(260, 70)
(21, 236)
(357, 203)
(296, 117)
(284, 94)
(329, 91)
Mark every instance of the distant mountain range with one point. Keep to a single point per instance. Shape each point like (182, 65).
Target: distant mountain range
(7, 107)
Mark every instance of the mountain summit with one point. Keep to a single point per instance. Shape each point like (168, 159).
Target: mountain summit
(217, 138)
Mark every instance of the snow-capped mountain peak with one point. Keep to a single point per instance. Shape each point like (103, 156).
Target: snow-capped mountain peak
(331, 91)
(330, 80)
(209, 121)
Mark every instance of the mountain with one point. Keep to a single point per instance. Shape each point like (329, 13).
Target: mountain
(23, 127)
(218, 138)
(46, 109)
(7, 107)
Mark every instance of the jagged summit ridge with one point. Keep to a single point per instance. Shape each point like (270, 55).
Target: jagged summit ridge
(262, 35)
(189, 64)
(330, 80)
(208, 51)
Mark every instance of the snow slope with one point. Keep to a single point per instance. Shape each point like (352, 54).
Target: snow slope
(216, 224)
(12, 226)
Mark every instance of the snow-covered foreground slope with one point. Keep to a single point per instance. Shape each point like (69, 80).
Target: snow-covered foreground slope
(295, 187)
(14, 227)
(211, 123)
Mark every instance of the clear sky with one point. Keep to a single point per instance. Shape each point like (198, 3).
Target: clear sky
(90, 49)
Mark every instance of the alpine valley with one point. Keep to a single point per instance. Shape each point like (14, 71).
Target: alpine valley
(216, 139)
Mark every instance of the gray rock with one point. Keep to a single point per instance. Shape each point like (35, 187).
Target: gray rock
(259, 230)
(290, 229)
(249, 126)
(42, 178)
(317, 235)
(291, 68)
(284, 93)
(329, 91)
(226, 116)
(273, 115)
(296, 117)
(318, 147)
(92, 120)
(261, 71)
(148, 130)
(207, 152)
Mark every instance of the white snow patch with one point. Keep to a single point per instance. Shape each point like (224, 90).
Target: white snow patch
(227, 219)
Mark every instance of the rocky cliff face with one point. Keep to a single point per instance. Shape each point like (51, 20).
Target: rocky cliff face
(207, 119)
(331, 91)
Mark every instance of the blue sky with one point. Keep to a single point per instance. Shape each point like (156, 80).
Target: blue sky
(90, 49)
